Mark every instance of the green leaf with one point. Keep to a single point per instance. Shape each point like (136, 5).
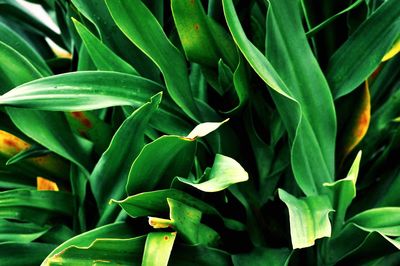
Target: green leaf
(26, 71)
(35, 206)
(159, 162)
(354, 245)
(103, 57)
(110, 174)
(186, 220)
(359, 56)
(20, 232)
(47, 128)
(343, 192)
(81, 91)
(24, 254)
(142, 28)
(196, 30)
(89, 90)
(97, 13)
(115, 230)
(308, 218)
(298, 89)
(12, 39)
(224, 173)
(110, 251)
(191, 23)
(31, 152)
(155, 203)
(12, 11)
(383, 220)
(157, 249)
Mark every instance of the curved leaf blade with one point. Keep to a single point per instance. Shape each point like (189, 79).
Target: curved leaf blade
(359, 56)
(143, 29)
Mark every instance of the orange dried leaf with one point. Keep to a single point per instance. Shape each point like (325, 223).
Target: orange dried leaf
(45, 184)
(359, 124)
(11, 145)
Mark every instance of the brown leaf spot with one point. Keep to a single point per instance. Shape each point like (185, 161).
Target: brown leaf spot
(83, 134)
(166, 237)
(80, 116)
(196, 26)
(10, 143)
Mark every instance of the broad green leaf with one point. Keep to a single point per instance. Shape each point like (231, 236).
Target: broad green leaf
(31, 152)
(157, 249)
(12, 39)
(85, 62)
(383, 220)
(196, 30)
(343, 192)
(110, 174)
(224, 173)
(308, 217)
(20, 232)
(24, 254)
(96, 12)
(155, 203)
(12, 11)
(35, 206)
(103, 57)
(299, 98)
(263, 256)
(159, 162)
(26, 71)
(84, 90)
(142, 28)
(359, 56)
(186, 221)
(110, 251)
(354, 246)
(89, 90)
(51, 129)
(191, 23)
(116, 230)
(47, 128)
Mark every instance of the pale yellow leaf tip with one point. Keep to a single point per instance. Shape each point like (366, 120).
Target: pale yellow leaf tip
(392, 52)
(204, 129)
